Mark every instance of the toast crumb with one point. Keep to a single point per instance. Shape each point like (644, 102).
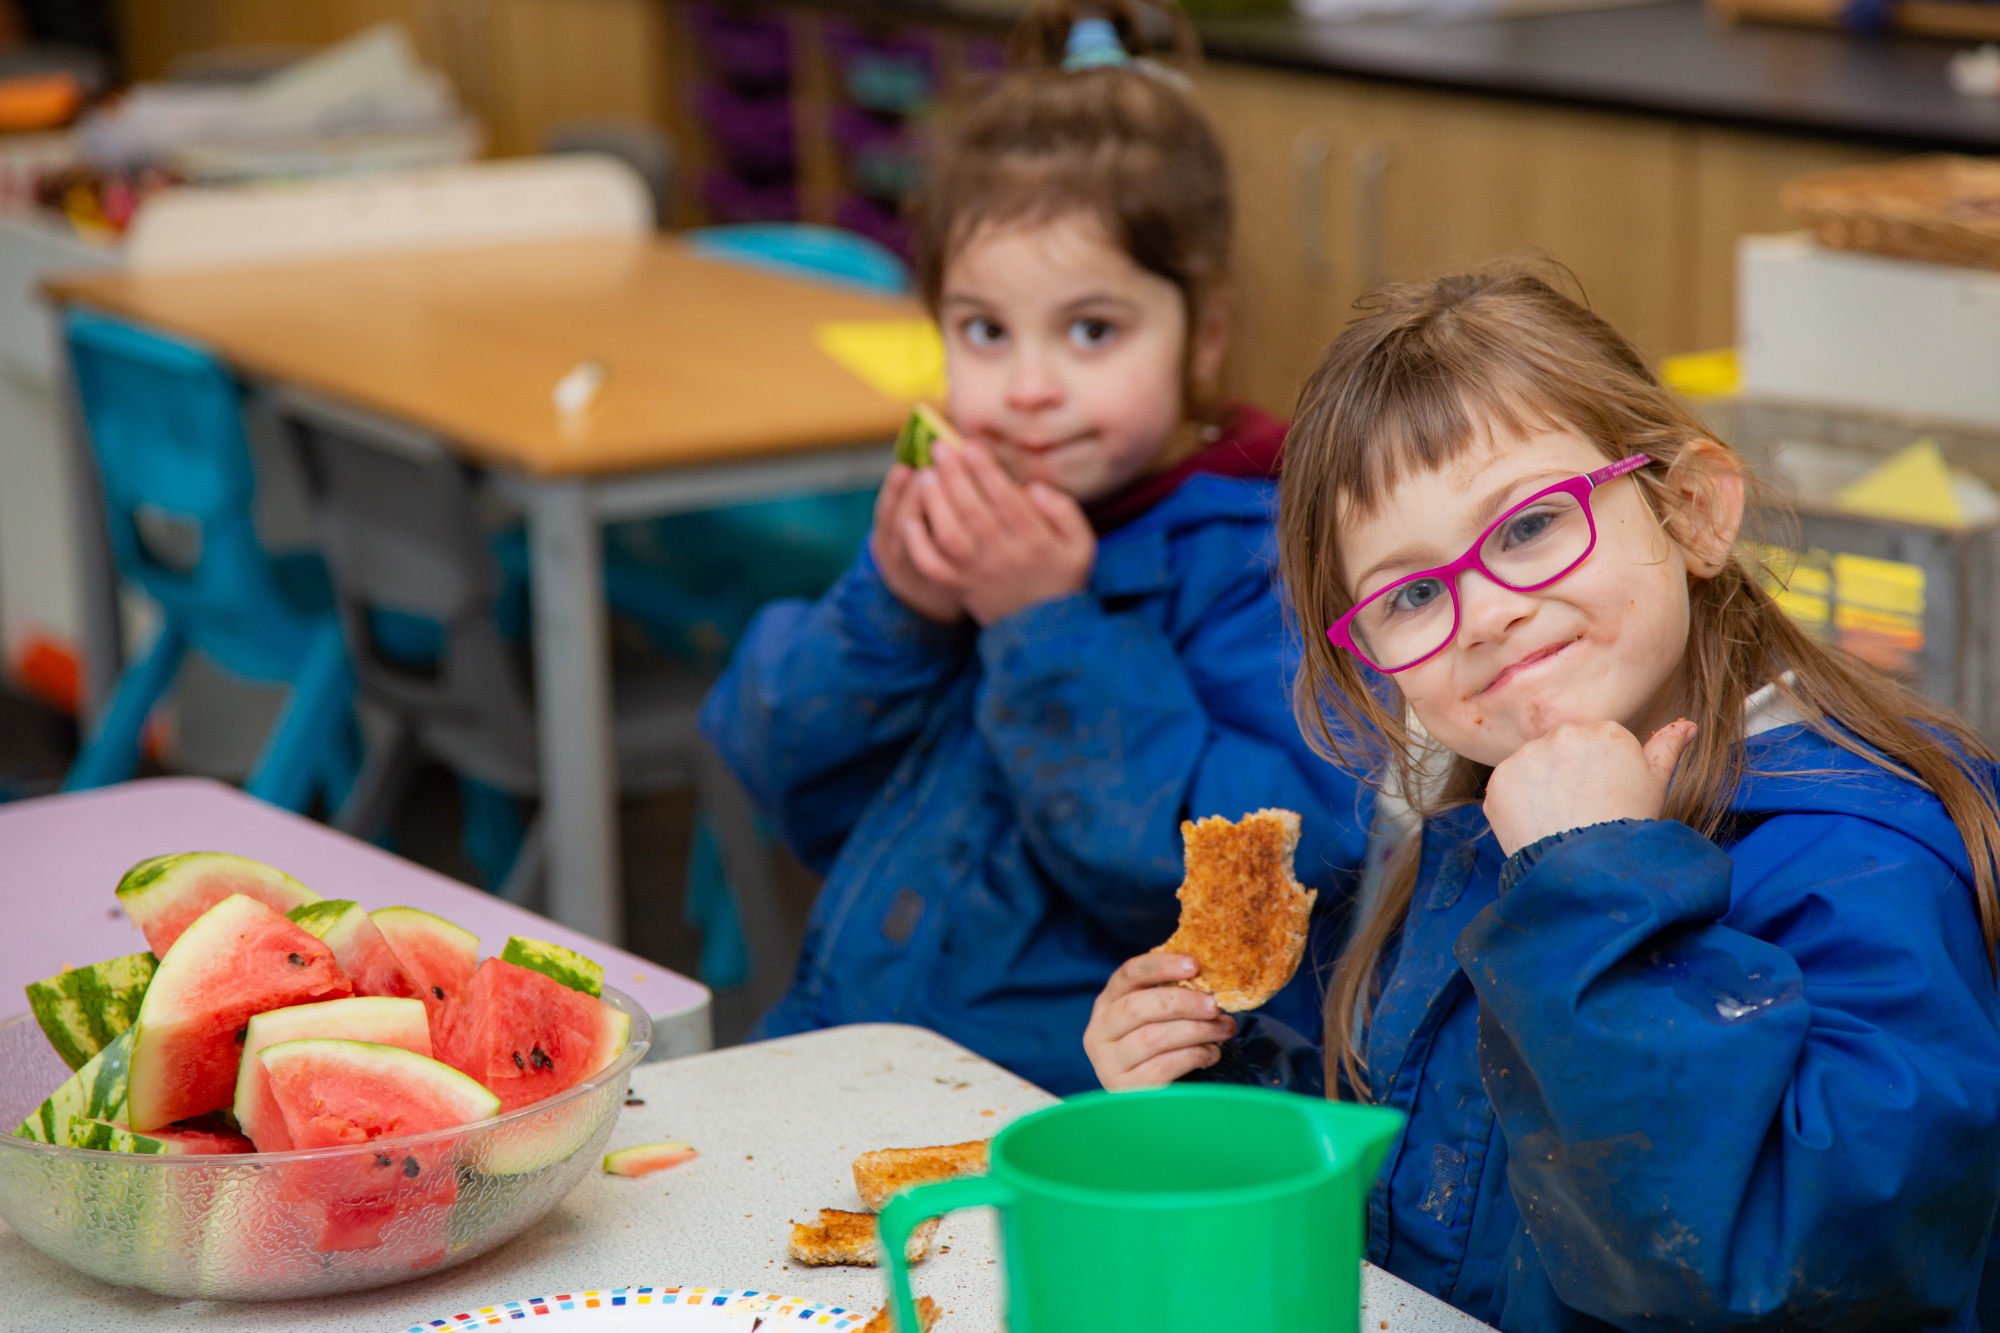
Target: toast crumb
(1243, 913)
(880, 1175)
(884, 1322)
(841, 1237)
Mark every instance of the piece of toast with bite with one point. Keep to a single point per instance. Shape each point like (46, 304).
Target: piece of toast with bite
(841, 1237)
(889, 1171)
(1243, 913)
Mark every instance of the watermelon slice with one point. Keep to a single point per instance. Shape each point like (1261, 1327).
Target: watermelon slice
(389, 1022)
(439, 956)
(164, 895)
(528, 1037)
(80, 1009)
(553, 961)
(335, 1092)
(174, 1140)
(647, 1158)
(96, 1091)
(243, 958)
(357, 946)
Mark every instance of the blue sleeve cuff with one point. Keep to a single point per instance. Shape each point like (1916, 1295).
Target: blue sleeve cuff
(1523, 861)
(1012, 643)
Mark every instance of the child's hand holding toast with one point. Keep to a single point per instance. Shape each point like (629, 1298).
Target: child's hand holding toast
(995, 545)
(1146, 1029)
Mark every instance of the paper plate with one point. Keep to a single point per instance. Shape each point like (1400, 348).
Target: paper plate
(657, 1310)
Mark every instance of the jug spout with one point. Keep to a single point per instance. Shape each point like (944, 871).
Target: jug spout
(1357, 1136)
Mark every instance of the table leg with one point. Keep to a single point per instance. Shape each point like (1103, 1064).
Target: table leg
(573, 698)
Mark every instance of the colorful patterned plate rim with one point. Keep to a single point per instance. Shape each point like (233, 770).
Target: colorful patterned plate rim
(682, 1307)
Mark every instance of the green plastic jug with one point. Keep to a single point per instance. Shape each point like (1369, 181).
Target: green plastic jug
(1179, 1209)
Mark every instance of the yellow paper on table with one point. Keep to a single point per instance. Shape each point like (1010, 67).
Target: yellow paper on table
(1915, 486)
(898, 358)
(1702, 374)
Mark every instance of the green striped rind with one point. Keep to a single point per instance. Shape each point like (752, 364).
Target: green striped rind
(920, 431)
(106, 1137)
(316, 919)
(145, 879)
(553, 961)
(82, 1009)
(98, 1091)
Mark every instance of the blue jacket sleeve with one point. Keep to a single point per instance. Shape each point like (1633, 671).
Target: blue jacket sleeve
(1109, 734)
(822, 699)
(1777, 1115)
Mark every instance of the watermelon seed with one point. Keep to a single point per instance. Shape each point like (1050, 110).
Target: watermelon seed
(410, 1167)
(384, 1159)
(519, 1063)
(241, 1033)
(541, 1060)
(296, 960)
(438, 991)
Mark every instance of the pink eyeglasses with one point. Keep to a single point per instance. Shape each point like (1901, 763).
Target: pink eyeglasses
(1538, 542)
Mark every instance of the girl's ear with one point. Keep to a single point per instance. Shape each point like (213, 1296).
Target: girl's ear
(1209, 338)
(1709, 479)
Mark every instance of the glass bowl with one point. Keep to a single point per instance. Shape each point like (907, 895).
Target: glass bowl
(278, 1226)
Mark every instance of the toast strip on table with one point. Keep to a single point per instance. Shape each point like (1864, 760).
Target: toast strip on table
(841, 1237)
(889, 1171)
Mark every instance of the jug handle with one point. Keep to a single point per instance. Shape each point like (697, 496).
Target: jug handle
(904, 1213)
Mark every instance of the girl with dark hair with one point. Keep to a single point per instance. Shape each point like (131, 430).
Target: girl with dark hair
(1063, 638)
(1688, 987)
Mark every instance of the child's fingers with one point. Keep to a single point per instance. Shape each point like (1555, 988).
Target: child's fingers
(974, 507)
(945, 519)
(923, 554)
(1663, 748)
(1148, 969)
(1164, 1069)
(1063, 513)
(1001, 492)
(1160, 1005)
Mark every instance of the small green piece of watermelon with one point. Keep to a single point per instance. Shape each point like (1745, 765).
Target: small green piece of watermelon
(647, 1158)
(921, 432)
(165, 894)
(98, 1091)
(555, 962)
(439, 956)
(358, 946)
(379, 1019)
(83, 1008)
(243, 959)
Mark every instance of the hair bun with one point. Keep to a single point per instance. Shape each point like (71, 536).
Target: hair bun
(1093, 34)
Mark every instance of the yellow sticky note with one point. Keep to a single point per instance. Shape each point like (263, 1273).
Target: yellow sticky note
(1701, 374)
(898, 358)
(1914, 487)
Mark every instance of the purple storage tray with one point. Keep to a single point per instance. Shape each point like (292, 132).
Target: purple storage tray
(884, 155)
(891, 74)
(746, 51)
(753, 134)
(878, 222)
(733, 199)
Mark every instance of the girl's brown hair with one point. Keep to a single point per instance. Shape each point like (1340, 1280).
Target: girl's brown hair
(1409, 386)
(1124, 144)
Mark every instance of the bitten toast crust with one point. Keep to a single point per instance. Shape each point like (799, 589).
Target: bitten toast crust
(889, 1171)
(841, 1237)
(884, 1322)
(1243, 914)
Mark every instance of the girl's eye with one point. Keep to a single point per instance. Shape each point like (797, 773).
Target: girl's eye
(982, 332)
(1527, 526)
(1089, 333)
(1414, 596)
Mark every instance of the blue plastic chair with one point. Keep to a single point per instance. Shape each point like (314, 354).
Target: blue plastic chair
(165, 422)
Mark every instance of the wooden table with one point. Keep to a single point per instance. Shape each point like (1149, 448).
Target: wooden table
(715, 392)
(776, 1124)
(65, 854)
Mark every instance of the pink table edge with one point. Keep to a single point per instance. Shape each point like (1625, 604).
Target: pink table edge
(61, 856)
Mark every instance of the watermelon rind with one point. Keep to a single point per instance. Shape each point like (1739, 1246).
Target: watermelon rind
(418, 937)
(243, 959)
(371, 1018)
(315, 919)
(555, 962)
(98, 1091)
(358, 945)
(80, 1009)
(103, 1136)
(646, 1158)
(165, 894)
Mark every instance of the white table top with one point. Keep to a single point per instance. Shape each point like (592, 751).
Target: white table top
(61, 857)
(777, 1126)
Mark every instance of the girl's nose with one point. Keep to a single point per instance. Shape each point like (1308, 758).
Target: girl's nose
(1032, 383)
(1487, 611)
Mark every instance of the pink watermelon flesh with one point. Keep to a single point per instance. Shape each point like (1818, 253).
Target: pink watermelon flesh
(396, 1022)
(186, 1043)
(341, 1092)
(162, 917)
(647, 1158)
(364, 954)
(201, 1138)
(527, 1037)
(438, 956)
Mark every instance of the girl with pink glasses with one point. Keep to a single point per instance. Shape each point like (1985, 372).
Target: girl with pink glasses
(1687, 984)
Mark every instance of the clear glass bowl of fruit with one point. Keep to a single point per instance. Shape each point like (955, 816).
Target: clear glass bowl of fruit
(293, 1097)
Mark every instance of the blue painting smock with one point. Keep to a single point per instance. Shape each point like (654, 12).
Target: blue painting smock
(997, 813)
(1656, 1081)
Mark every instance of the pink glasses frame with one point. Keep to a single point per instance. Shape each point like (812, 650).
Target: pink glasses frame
(1580, 487)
